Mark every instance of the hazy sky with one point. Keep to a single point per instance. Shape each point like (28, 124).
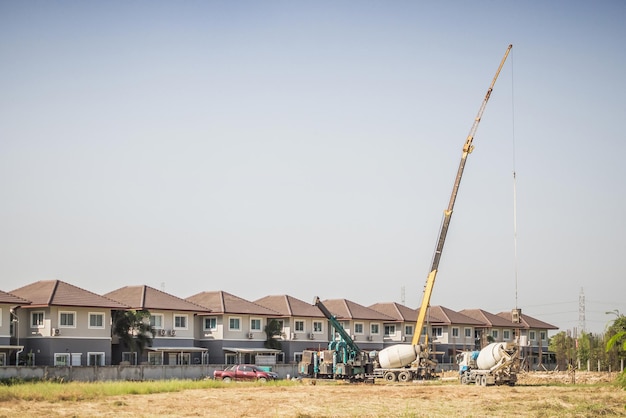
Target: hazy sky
(309, 148)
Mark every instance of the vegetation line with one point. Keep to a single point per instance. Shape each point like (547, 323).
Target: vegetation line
(55, 391)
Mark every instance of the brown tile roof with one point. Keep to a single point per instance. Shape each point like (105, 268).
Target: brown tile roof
(289, 306)
(59, 293)
(346, 309)
(223, 302)
(529, 321)
(397, 311)
(448, 316)
(488, 319)
(146, 297)
(12, 299)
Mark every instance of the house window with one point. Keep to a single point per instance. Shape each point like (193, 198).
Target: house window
(542, 335)
(67, 319)
(61, 359)
(231, 358)
(390, 330)
(455, 332)
(155, 358)
(437, 331)
(180, 321)
(36, 320)
(318, 327)
(531, 335)
(374, 329)
(95, 359)
(299, 326)
(358, 328)
(408, 330)
(234, 323)
(156, 321)
(468, 332)
(297, 357)
(494, 333)
(210, 323)
(96, 320)
(255, 324)
(3, 359)
(506, 334)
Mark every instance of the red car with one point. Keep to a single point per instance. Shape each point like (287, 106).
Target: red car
(244, 372)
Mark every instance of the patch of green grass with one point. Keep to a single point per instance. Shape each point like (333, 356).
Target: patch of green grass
(54, 391)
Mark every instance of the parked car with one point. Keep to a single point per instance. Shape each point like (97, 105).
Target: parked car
(244, 372)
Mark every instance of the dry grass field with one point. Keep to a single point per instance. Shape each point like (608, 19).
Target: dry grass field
(538, 396)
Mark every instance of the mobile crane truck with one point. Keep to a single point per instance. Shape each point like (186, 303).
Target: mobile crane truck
(403, 361)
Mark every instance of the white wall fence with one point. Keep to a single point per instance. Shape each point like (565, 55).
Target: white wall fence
(132, 373)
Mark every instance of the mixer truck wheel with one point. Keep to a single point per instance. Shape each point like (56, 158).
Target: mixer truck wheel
(404, 377)
(483, 380)
(390, 376)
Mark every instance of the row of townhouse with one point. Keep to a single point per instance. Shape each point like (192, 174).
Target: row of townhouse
(55, 323)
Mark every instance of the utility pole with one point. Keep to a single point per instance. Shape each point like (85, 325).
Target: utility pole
(581, 312)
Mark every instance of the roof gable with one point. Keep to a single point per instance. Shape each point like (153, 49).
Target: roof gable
(289, 306)
(529, 321)
(59, 293)
(149, 298)
(12, 299)
(395, 310)
(223, 302)
(489, 319)
(448, 316)
(346, 309)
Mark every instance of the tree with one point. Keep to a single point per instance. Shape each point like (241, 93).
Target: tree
(617, 331)
(134, 329)
(564, 348)
(273, 329)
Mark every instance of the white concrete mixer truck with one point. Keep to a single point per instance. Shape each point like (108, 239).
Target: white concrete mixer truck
(496, 364)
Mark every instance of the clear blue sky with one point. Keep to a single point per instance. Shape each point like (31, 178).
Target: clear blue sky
(309, 148)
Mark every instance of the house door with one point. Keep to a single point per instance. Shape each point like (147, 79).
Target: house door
(76, 359)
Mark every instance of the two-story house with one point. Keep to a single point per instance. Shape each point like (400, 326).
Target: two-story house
(365, 326)
(304, 325)
(10, 347)
(174, 320)
(533, 339)
(65, 325)
(402, 328)
(450, 332)
(496, 328)
(234, 329)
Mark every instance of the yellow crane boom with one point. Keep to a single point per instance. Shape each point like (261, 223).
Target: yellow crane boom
(467, 149)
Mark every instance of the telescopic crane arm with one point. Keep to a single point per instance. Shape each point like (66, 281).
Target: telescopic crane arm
(467, 149)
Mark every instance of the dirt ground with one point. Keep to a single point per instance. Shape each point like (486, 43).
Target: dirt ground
(534, 396)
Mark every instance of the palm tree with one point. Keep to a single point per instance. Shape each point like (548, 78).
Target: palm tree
(134, 329)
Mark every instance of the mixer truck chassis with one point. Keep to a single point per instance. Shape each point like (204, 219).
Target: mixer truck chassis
(495, 364)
